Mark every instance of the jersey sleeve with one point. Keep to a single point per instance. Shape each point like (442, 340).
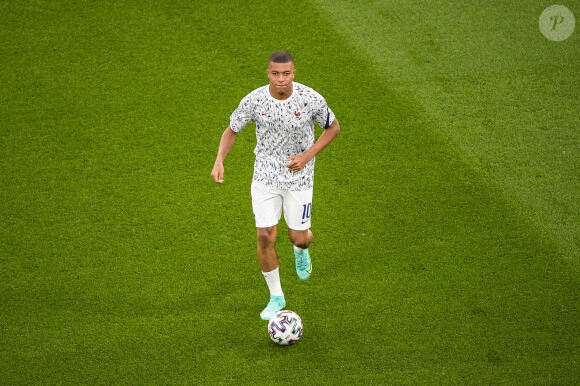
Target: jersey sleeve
(242, 115)
(323, 114)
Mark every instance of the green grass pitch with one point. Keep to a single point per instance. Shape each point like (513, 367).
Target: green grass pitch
(446, 213)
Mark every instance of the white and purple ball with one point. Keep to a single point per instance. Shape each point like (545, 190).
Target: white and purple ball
(285, 328)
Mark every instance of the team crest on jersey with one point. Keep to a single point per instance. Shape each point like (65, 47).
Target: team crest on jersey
(297, 114)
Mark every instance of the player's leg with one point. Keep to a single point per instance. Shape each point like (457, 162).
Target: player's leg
(268, 258)
(267, 206)
(297, 213)
(300, 239)
(267, 255)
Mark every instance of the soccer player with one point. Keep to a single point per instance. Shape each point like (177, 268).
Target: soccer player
(284, 112)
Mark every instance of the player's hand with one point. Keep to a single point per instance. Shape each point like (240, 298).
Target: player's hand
(218, 172)
(296, 162)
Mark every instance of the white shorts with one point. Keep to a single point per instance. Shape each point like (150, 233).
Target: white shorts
(268, 202)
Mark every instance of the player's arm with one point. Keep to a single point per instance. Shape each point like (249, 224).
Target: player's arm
(299, 161)
(226, 142)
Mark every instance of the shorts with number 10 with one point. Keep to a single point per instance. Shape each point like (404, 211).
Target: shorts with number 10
(268, 204)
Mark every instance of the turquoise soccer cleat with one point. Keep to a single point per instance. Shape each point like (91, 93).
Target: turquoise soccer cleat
(276, 304)
(303, 264)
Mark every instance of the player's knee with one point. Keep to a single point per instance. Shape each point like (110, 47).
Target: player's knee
(301, 239)
(266, 237)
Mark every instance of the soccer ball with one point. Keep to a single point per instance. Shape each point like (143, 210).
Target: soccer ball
(285, 328)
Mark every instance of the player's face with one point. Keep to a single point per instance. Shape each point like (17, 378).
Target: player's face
(281, 76)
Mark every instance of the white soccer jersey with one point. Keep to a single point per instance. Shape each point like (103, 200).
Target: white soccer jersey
(283, 128)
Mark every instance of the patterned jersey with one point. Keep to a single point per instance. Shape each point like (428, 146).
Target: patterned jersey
(283, 128)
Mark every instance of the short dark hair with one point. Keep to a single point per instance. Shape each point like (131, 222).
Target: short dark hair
(281, 57)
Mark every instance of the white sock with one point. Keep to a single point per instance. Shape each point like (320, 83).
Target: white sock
(273, 281)
(298, 249)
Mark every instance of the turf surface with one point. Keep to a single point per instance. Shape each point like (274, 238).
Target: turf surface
(445, 214)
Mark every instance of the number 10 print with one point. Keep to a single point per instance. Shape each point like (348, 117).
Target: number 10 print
(306, 212)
